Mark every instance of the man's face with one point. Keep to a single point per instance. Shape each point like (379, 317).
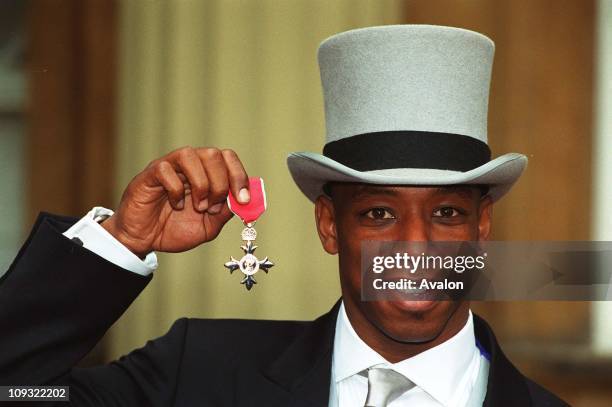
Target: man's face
(358, 212)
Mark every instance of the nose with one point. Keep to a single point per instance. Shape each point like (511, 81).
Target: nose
(415, 229)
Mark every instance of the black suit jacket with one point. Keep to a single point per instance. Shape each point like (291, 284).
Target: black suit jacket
(58, 299)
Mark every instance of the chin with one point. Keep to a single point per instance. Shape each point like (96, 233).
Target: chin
(411, 321)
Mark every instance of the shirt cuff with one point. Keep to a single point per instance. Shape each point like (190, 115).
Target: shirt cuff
(97, 239)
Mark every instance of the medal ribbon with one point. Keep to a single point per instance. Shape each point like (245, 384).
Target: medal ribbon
(252, 210)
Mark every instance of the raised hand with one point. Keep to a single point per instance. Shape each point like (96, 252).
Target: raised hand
(179, 201)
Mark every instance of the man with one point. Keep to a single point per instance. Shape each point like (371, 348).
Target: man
(406, 159)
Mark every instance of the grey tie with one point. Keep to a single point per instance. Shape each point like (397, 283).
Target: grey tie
(384, 386)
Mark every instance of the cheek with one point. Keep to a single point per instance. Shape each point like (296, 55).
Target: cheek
(349, 256)
(467, 231)
(348, 240)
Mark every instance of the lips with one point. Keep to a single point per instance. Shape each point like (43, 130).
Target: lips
(415, 306)
(417, 294)
(414, 300)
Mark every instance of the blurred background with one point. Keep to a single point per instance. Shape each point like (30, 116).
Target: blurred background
(92, 90)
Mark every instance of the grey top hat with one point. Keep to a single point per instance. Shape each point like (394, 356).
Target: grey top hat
(406, 105)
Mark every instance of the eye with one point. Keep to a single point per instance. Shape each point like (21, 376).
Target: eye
(447, 212)
(379, 213)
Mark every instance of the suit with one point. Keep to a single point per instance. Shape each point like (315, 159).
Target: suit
(55, 305)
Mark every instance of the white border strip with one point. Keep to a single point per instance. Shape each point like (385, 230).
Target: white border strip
(602, 166)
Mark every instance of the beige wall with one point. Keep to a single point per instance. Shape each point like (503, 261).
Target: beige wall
(240, 75)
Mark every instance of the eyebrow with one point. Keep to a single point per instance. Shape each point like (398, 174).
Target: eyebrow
(363, 190)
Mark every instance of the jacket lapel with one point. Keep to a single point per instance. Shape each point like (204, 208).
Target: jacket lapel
(506, 385)
(303, 371)
(301, 376)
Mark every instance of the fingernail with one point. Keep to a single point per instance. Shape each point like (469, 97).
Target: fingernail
(203, 205)
(244, 196)
(215, 208)
(180, 204)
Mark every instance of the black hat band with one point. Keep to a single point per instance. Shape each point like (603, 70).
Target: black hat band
(409, 149)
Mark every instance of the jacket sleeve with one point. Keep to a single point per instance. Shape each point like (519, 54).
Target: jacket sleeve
(56, 301)
(145, 377)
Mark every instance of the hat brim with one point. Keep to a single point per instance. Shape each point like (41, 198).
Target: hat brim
(311, 171)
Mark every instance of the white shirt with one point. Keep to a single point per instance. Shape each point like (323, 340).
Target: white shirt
(451, 374)
(97, 239)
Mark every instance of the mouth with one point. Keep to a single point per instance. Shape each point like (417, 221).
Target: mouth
(415, 305)
(409, 289)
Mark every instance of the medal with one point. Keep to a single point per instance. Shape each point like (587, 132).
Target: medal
(249, 213)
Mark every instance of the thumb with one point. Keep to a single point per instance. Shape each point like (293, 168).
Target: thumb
(225, 214)
(218, 220)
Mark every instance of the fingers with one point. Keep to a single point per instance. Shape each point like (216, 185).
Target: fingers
(208, 173)
(238, 178)
(216, 172)
(191, 168)
(225, 173)
(167, 177)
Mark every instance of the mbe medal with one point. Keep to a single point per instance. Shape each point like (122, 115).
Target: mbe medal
(249, 213)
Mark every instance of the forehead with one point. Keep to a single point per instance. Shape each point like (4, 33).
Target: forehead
(357, 190)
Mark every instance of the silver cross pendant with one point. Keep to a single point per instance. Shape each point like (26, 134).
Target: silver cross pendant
(249, 264)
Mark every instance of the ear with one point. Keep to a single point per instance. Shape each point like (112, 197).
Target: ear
(326, 224)
(484, 218)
